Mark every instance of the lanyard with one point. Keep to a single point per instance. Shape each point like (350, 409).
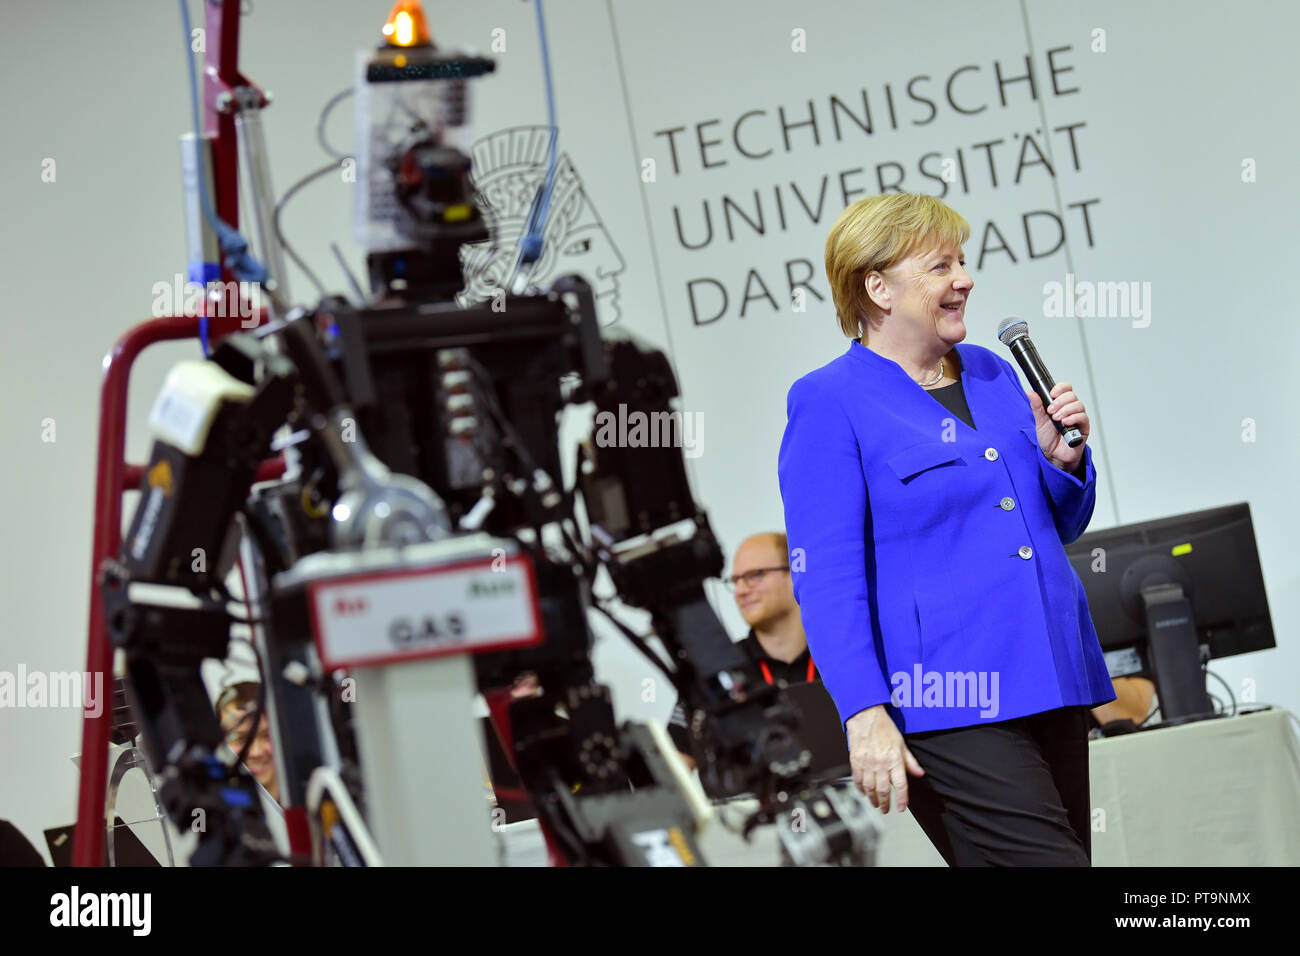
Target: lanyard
(767, 673)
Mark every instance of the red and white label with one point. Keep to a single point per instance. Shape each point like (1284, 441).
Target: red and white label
(391, 616)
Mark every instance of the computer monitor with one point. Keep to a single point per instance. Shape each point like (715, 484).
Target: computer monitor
(1170, 594)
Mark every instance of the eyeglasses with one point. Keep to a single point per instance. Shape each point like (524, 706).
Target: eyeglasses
(751, 577)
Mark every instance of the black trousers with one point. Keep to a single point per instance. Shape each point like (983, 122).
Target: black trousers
(1010, 793)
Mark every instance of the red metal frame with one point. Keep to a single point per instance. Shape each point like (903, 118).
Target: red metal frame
(221, 77)
(113, 476)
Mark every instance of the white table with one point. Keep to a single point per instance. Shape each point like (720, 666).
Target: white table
(1222, 792)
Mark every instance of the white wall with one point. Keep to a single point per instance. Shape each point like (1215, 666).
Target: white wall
(1181, 96)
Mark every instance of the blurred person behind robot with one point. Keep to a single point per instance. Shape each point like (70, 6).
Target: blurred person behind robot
(760, 581)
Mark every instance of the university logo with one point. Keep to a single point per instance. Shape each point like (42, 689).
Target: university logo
(509, 168)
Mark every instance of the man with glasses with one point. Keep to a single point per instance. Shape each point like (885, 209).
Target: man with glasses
(760, 580)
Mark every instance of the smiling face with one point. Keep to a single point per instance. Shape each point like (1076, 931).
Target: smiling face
(924, 296)
(771, 595)
(236, 722)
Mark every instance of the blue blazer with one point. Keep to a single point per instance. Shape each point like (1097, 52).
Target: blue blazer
(928, 557)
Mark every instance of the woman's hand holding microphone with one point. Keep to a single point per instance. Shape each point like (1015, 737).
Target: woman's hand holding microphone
(1066, 408)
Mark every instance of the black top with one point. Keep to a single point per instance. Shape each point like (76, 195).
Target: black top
(797, 671)
(772, 670)
(953, 398)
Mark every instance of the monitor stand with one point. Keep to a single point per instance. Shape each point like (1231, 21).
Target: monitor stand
(1174, 654)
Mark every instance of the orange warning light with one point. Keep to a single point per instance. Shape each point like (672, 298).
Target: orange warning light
(406, 25)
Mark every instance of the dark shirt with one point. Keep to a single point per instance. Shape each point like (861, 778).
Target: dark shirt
(773, 671)
(953, 398)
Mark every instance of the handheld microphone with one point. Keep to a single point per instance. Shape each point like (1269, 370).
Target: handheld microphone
(1014, 334)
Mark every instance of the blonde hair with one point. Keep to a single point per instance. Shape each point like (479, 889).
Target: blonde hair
(873, 234)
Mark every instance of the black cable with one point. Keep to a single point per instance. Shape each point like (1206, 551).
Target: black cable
(639, 643)
(526, 459)
(320, 124)
(1154, 708)
(589, 563)
(589, 567)
(357, 294)
(220, 592)
(494, 407)
(256, 531)
(1231, 696)
(279, 235)
(560, 827)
